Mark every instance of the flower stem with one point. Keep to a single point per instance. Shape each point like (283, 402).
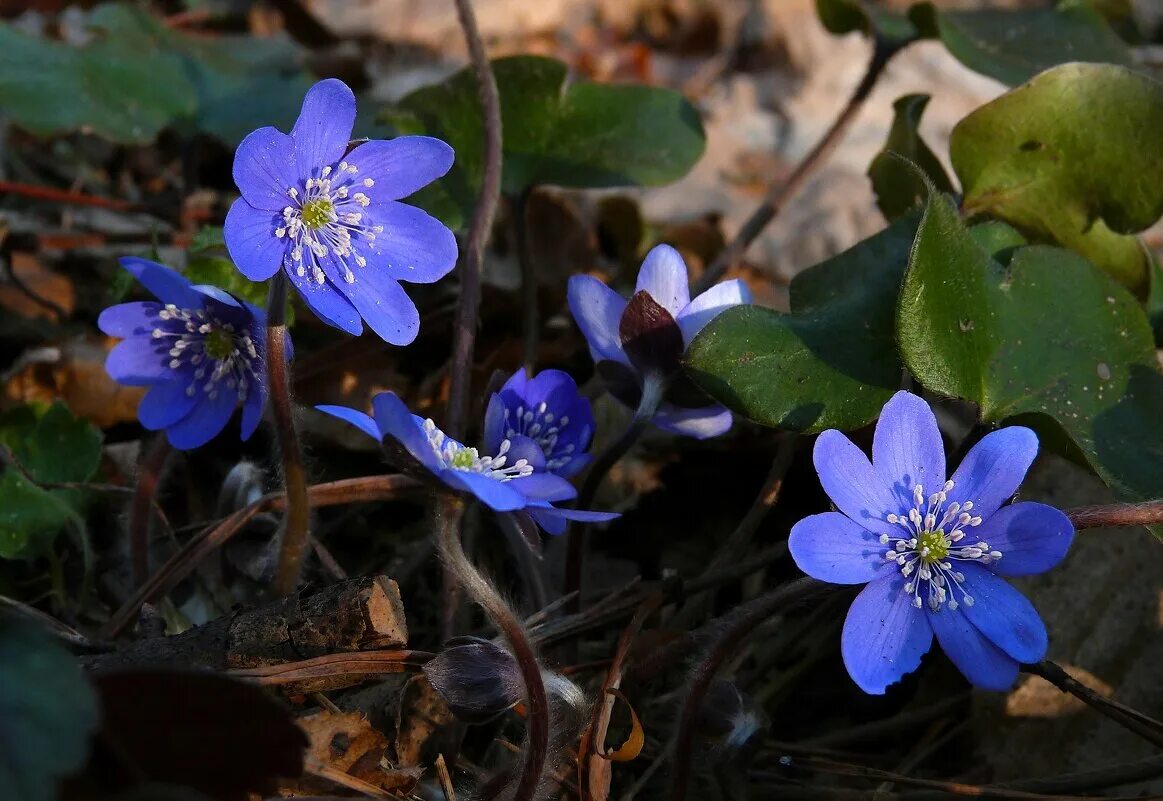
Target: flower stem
(1132, 720)
(149, 469)
(736, 627)
(780, 192)
(531, 314)
(293, 544)
(482, 591)
(1148, 513)
(652, 391)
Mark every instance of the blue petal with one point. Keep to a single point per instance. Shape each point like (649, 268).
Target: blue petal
(165, 404)
(129, 319)
(1003, 614)
(854, 486)
(414, 246)
(907, 448)
(494, 427)
(545, 487)
(574, 465)
(1032, 538)
(204, 422)
(251, 241)
(138, 362)
(380, 301)
(979, 660)
(707, 306)
(167, 285)
(884, 635)
(327, 302)
(523, 448)
(703, 423)
(993, 469)
(497, 495)
(264, 169)
(395, 421)
(362, 421)
(252, 409)
(832, 548)
(664, 275)
(597, 310)
(553, 520)
(323, 130)
(400, 166)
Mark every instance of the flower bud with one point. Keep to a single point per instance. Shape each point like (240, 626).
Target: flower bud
(477, 678)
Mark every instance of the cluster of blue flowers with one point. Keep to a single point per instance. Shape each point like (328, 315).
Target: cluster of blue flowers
(932, 552)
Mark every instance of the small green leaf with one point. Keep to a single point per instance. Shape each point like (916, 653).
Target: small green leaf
(54, 447)
(1050, 339)
(570, 133)
(209, 264)
(1036, 158)
(47, 712)
(897, 186)
(1013, 45)
(845, 16)
(831, 362)
(30, 517)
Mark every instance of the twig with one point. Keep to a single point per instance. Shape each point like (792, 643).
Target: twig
(536, 704)
(190, 555)
(1147, 513)
(652, 392)
(359, 663)
(149, 469)
(1096, 779)
(880, 729)
(531, 314)
(1132, 720)
(293, 543)
(65, 196)
(736, 627)
(778, 194)
(445, 778)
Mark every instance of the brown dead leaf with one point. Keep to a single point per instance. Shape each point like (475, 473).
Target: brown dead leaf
(346, 749)
(424, 713)
(73, 372)
(55, 290)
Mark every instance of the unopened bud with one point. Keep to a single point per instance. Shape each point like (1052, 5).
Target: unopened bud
(477, 678)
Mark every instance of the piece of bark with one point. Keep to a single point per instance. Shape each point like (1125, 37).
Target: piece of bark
(360, 614)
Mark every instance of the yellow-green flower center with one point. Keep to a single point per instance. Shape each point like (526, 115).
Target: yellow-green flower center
(932, 546)
(317, 213)
(219, 344)
(464, 459)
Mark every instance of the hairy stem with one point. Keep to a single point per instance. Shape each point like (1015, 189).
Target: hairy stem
(1148, 513)
(780, 192)
(294, 541)
(736, 627)
(149, 470)
(1132, 720)
(482, 592)
(652, 392)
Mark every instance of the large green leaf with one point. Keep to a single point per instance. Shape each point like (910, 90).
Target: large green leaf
(1071, 157)
(47, 712)
(52, 448)
(830, 363)
(569, 133)
(1014, 45)
(1050, 339)
(896, 183)
(136, 76)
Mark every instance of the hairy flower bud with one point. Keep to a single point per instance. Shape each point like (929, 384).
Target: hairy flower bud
(477, 678)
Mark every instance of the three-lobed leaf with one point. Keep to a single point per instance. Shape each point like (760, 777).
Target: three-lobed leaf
(556, 130)
(1039, 158)
(1048, 338)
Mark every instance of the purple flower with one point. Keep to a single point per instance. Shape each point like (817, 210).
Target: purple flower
(198, 349)
(931, 551)
(547, 409)
(513, 479)
(331, 219)
(640, 341)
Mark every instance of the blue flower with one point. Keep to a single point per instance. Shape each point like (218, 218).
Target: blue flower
(331, 218)
(931, 551)
(631, 340)
(514, 479)
(198, 349)
(547, 409)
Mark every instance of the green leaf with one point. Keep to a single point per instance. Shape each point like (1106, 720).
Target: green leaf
(1038, 158)
(1050, 339)
(1013, 45)
(208, 263)
(831, 362)
(569, 133)
(55, 447)
(845, 16)
(30, 517)
(47, 712)
(897, 185)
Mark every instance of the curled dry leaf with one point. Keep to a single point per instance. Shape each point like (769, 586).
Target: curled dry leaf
(345, 743)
